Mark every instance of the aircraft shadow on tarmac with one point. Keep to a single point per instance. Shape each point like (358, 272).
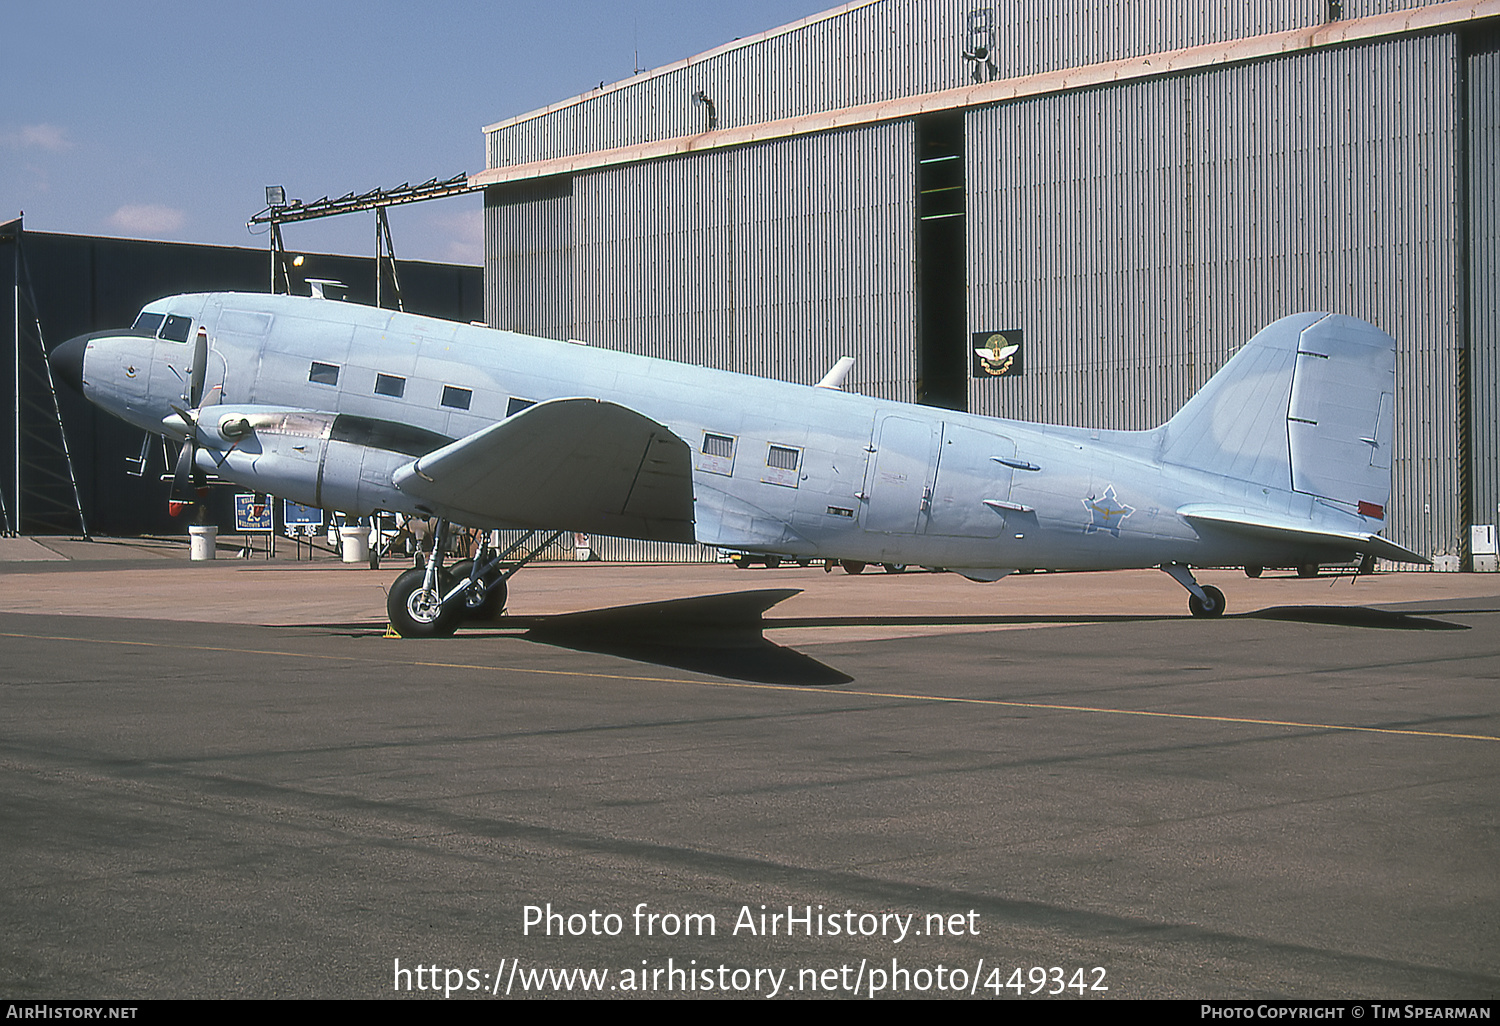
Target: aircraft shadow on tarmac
(1355, 616)
(717, 634)
(724, 634)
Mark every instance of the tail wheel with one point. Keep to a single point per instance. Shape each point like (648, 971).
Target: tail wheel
(1212, 608)
(480, 606)
(418, 613)
(853, 566)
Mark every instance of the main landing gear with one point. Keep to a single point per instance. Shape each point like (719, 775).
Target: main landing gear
(431, 601)
(1203, 599)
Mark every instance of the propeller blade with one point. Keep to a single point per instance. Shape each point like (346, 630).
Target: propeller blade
(199, 369)
(183, 490)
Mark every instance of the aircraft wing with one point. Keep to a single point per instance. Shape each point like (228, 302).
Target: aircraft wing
(1265, 526)
(569, 464)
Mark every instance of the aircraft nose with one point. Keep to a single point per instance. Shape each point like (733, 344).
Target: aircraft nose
(67, 361)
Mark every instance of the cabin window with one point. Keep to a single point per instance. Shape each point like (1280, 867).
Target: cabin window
(782, 462)
(458, 398)
(783, 458)
(515, 405)
(716, 454)
(176, 328)
(147, 323)
(391, 385)
(323, 373)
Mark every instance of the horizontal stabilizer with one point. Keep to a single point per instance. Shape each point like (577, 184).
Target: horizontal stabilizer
(1265, 526)
(564, 464)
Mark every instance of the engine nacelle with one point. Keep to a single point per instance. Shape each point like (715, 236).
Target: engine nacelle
(328, 461)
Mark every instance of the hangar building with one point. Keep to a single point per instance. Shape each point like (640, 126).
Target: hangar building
(1128, 188)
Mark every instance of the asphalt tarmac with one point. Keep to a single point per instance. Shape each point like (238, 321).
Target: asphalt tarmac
(222, 780)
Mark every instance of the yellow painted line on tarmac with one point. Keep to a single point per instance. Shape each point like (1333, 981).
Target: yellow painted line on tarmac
(830, 690)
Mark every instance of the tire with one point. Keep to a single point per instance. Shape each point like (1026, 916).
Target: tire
(853, 566)
(894, 568)
(773, 562)
(493, 603)
(1254, 571)
(1214, 609)
(415, 613)
(740, 562)
(1308, 570)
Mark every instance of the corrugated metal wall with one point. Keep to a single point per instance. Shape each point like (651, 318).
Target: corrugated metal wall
(1078, 236)
(653, 252)
(888, 49)
(823, 259)
(773, 260)
(1137, 235)
(1484, 277)
(528, 257)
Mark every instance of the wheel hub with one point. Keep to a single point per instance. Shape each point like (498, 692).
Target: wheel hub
(424, 606)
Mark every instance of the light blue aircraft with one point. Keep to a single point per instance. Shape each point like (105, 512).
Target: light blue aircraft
(1282, 459)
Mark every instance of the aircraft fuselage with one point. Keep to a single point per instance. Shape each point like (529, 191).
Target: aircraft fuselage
(775, 467)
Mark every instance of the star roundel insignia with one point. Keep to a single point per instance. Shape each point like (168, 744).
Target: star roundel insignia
(1106, 512)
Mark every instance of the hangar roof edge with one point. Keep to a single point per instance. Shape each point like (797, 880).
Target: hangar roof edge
(736, 44)
(1399, 23)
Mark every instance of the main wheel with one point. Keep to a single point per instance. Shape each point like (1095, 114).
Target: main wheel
(1308, 570)
(853, 566)
(1214, 607)
(894, 568)
(480, 607)
(1254, 571)
(417, 613)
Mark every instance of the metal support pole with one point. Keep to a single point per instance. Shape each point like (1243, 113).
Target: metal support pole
(384, 242)
(16, 335)
(278, 259)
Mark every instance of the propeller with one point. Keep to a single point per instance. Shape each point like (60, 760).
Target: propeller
(188, 482)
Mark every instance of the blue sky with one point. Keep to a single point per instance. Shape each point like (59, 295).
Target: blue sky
(166, 120)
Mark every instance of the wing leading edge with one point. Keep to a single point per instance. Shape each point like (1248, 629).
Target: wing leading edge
(575, 464)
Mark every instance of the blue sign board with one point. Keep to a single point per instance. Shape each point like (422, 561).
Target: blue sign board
(294, 514)
(252, 513)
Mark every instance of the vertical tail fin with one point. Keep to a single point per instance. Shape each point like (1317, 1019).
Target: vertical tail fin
(1307, 405)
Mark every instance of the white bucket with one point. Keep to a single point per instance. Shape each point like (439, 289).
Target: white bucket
(203, 540)
(355, 544)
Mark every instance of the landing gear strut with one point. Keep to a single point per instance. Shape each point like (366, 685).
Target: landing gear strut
(431, 601)
(1203, 599)
(415, 603)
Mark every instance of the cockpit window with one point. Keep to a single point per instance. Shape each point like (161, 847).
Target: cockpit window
(147, 323)
(177, 328)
